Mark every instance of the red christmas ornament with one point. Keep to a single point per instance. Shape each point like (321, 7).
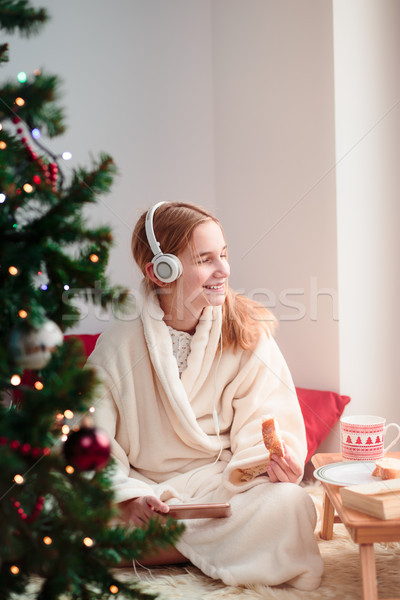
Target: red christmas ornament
(87, 449)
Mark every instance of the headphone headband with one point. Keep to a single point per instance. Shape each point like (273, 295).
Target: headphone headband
(151, 238)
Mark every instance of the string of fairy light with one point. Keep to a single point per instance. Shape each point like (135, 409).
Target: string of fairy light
(48, 175)
(19, 479)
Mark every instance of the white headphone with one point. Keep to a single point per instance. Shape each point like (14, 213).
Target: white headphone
(167, 267)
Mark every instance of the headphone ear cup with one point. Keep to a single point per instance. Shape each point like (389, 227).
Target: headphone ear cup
(167, 267)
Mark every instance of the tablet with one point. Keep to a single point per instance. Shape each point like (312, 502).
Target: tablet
(199, 511)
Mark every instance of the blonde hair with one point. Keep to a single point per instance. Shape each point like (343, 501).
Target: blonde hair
(243, 319)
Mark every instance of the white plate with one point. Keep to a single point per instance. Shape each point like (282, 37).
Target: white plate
(346, 473)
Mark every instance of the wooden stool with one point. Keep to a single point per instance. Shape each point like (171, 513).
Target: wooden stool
(363, 529)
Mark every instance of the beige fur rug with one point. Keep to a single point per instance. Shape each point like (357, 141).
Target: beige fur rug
(341, 579)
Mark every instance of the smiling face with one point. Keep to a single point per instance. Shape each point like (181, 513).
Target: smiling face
(205, 267)
(203, 281)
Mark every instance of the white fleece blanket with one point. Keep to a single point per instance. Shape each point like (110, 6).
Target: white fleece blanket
(166, 444)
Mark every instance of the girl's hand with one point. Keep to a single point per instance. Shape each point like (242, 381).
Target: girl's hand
(139, 510)
(286, 468)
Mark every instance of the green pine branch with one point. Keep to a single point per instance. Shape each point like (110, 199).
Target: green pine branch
(19, 14)
(60, 244)
(40, 96)
(4, 53)
(67, 564)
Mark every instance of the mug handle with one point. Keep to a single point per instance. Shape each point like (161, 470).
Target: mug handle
(396, 439)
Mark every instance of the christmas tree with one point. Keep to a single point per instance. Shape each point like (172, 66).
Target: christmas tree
(56, 502)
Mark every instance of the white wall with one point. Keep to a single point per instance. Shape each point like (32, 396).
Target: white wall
(228, 103)
(275, 183)
(367, 84)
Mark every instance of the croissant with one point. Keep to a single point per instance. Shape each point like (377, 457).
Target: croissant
(271, 436)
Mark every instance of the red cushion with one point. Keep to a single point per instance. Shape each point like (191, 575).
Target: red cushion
(321, 411)
(89, 341)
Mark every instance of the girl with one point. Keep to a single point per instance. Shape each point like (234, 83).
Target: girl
(186, 384)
